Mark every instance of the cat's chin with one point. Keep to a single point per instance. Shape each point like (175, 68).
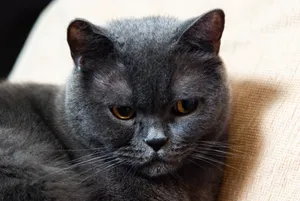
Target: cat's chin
(158, 168)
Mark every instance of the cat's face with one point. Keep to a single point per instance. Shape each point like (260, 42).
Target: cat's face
(148, 104)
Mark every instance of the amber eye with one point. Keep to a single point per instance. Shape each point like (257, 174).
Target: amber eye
(122, 112)
(184, 107)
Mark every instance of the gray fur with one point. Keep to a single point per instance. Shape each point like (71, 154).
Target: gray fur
(63, 143)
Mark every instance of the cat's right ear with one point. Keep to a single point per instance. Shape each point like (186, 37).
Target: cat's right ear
(205, 32)
(86, 41)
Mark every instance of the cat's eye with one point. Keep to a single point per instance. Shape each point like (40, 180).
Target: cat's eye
(184, 107)
(122, 112)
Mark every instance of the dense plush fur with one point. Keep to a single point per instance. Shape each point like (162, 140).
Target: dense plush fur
(64, 143)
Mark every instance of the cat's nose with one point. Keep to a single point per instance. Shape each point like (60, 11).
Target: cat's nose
(156, 143)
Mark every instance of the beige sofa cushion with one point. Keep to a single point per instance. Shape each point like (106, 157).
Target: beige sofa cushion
(261, 48)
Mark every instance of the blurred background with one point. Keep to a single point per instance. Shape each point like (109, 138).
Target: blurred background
(17, 18)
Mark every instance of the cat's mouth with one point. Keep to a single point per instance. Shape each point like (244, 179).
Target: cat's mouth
(158, 166)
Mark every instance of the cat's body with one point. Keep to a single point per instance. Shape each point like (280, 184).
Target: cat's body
(66, 143)
(29, 148)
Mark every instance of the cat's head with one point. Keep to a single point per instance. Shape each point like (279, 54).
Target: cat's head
(147, 91)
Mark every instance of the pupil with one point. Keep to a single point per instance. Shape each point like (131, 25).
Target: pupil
(188, 104)
(124, 111)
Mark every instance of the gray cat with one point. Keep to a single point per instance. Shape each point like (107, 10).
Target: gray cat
(143, 117)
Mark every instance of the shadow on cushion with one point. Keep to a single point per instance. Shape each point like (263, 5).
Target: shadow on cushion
(250, 100)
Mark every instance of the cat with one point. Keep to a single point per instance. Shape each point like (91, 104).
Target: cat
(143, 116)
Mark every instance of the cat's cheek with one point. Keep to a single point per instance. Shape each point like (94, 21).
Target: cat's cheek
(103, 130)
(184, 129)
(117, 138)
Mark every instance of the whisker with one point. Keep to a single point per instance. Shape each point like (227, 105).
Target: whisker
(177, 177)
(108, 165)
(228, 146)
(72, 150)
(83, 157)
(204, 159)
(99, 158)
(212, 154)
(229, 141)
(197, 164)
(213, 144)
(131, 168)
(105, 157)
(201, 157)
(56, 159)
(94, 173)
(70, 162)
(220, 152)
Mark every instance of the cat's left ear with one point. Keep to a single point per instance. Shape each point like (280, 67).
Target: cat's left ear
(87, 41)
(205, 30)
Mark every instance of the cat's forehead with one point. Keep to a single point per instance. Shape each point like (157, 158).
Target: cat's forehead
(137, 36)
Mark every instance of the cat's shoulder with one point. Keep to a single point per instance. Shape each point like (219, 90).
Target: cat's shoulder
(21, 101)
(8, 89)
(24, 94)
